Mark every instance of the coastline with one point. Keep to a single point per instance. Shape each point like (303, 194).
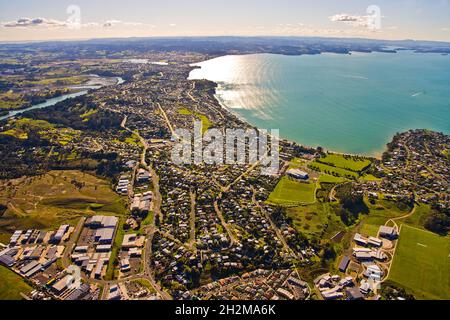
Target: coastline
(375, 153)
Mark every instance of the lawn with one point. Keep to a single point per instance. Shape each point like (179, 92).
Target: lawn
(315, 220)
(206, 123)
(19, 128)
(346, 162)
(111, 272)
(421, 264)
(129, 138)
(386, 208)
(379, 213)
(419, 217)
(289, 191)
(89, 113)
(370, 177)
(341, 165)
(145, 283)
(185, 112)
(11, 285)
(326, 178)
(369, 230)
(325, 168)
(148, 220)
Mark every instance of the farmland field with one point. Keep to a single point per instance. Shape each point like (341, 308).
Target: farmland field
(11, 100)
(289, 191)
(421, 264)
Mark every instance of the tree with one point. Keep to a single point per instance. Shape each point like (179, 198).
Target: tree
(2, 209)
(438, 222)
(328, 253)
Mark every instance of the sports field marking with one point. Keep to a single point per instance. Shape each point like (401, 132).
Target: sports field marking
(420, 263)
(422, 245)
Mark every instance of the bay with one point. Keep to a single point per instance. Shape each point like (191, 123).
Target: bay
(345, 103)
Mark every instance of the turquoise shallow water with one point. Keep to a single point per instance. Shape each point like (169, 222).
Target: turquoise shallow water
(347, 103)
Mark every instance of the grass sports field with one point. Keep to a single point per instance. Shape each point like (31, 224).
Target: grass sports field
(289, 191)
(326, 178)
(341, 165)
(346, 162)
(11, 285)
(422, 264)
(318, 166)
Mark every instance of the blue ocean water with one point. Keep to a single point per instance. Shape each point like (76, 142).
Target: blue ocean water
(346, 103)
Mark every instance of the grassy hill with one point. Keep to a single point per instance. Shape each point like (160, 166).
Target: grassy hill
(46, 201)
(11, 285)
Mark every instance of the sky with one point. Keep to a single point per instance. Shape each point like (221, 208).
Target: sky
(24, 20)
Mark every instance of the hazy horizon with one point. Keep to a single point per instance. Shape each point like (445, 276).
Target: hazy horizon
(212, 37)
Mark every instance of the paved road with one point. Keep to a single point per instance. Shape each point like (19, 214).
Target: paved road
(147, 254)
(252, 167)
(169, 124)
(144, 142)
(273, 225)
(192, 219)
(227, 227)
(66, 259)
(155, 179)
(148, 271)
(157, 198)
(190, 92)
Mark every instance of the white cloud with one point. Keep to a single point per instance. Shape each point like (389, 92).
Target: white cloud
(133, 24)
(90, 25)
(173, 25)
(34, 22)
(354, 20)
(111, 23)
(52, 23)
(446, 29)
